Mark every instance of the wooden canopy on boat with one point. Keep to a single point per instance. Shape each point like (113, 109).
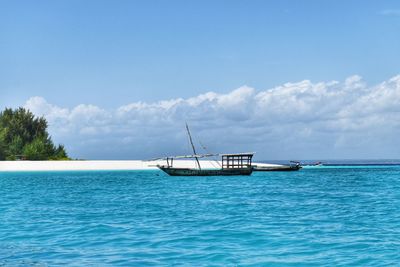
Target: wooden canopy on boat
(236, 161)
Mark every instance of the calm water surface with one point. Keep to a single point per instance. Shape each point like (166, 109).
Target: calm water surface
(317, 216)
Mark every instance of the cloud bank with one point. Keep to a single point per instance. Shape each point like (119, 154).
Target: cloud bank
(301, 120)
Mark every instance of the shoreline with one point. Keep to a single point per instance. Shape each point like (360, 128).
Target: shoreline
(100, 165)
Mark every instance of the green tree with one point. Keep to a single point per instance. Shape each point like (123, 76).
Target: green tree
(24, 135)
(15, 148)
(39, 149)
(2, 145)
(60, 153)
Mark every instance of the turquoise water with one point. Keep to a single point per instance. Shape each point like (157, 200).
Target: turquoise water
(317, 216)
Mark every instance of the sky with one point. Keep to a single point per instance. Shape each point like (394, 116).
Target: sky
(287, 79)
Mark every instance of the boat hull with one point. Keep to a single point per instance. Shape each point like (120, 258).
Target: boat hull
(276, 168)
(205, 172)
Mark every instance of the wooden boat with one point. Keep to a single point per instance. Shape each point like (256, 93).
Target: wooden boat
(205, 172)
(232, 164)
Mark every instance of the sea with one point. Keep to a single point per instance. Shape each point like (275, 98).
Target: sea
(335, 215)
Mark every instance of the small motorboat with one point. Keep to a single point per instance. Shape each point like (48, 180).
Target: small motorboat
(293, 166)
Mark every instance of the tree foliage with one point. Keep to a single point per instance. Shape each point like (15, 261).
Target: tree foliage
(22, 135)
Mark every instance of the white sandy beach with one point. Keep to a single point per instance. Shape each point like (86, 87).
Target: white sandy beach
(83, 165)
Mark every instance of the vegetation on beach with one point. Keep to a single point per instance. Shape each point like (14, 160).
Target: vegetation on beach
(24, 136)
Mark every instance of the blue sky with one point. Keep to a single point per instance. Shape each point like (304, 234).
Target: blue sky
(110, 54)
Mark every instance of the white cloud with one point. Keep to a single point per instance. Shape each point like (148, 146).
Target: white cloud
(302, 119)
(40, 107)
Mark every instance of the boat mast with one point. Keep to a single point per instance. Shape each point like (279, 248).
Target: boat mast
(194, 150)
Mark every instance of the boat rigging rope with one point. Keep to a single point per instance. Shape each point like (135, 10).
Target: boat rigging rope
(206, 150)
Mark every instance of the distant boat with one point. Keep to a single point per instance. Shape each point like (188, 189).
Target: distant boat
(293, 166)
(232, 164)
